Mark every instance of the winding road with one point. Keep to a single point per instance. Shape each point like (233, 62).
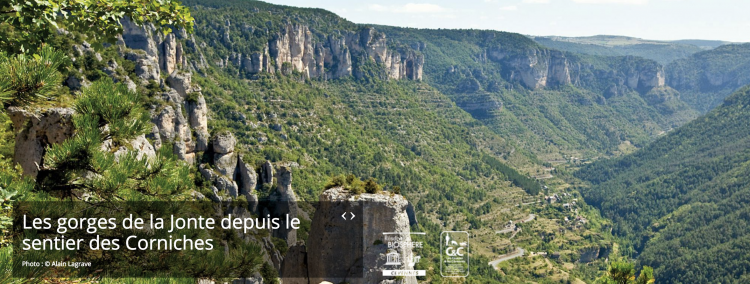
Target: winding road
(508, 256)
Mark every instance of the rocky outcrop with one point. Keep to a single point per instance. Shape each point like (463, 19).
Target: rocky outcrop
(536, 68)
(162, 52)
(295, 265)
(198, 117)
(328, 238)
(40, 129)
(139, 37)
(146, 66)
(37, 130)
(228, 172)
(266, 173)
(294, 49)
(286, 204)
(248, 181)
(225, 160)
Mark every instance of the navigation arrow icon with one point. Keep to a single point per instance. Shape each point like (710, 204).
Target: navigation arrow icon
(343, 215)
(352, 215)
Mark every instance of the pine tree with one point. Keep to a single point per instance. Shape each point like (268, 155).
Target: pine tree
(26, 78)
(110, 113)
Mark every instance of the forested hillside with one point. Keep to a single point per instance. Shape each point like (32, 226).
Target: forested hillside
(663, 52)
(682, 201)
(458, 173)
(706, 78)
(469, 130)
(553, 103)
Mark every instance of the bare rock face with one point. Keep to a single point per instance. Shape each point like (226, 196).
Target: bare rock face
(207, 173)
(180, 82)
(224, 143)
(144, 148)
(164, 121)
(286, 204)
(168, 56)
(198, 117)
(146, 66)
(137, 37)
(559, 74)
(227, 185)
(181, 127)
(225, 159)
(37, 130)
(295, 263)
(294, 45)
(247, 180)
(226, 164)
(382, 213)
(266, 173)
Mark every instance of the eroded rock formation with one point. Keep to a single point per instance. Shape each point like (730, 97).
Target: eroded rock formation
(295, 48)
(35, 131)
(328, 238)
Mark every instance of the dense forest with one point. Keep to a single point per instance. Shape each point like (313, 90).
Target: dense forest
(681, 201)
(592, 115)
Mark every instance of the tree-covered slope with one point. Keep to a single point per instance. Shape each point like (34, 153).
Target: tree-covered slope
(458, 173)
(663, 52)
(553, 103)
(682, 201)
(706, 78)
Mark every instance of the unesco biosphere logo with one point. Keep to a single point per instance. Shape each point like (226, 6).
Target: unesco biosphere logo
(454, 256)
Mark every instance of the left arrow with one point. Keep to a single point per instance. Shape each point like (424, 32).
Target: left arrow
(343, 215)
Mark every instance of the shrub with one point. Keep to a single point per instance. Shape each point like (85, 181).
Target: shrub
(371, 186)
(396, 189)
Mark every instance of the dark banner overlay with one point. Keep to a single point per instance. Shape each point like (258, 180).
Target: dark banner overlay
(152, 239)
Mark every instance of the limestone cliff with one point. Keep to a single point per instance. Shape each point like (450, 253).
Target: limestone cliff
(153, 53)
(294, 48)
(537, 67)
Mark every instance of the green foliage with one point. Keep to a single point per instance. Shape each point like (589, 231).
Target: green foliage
(25, 78)
(106, 103)
(108, 112)
(396, 189)
(660, 51)
(269, 274)
(31, 23)
(623, 272)
(681, 201)
(280, 244)
(372, 187)
(594, 116)
(706, 78)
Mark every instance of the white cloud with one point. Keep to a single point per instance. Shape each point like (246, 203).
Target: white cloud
(410, 8)
(377, 8)
(421, 8)
(536, 1)
(509, 8)
(628, 2)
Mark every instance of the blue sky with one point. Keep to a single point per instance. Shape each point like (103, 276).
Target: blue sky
(651, 19)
